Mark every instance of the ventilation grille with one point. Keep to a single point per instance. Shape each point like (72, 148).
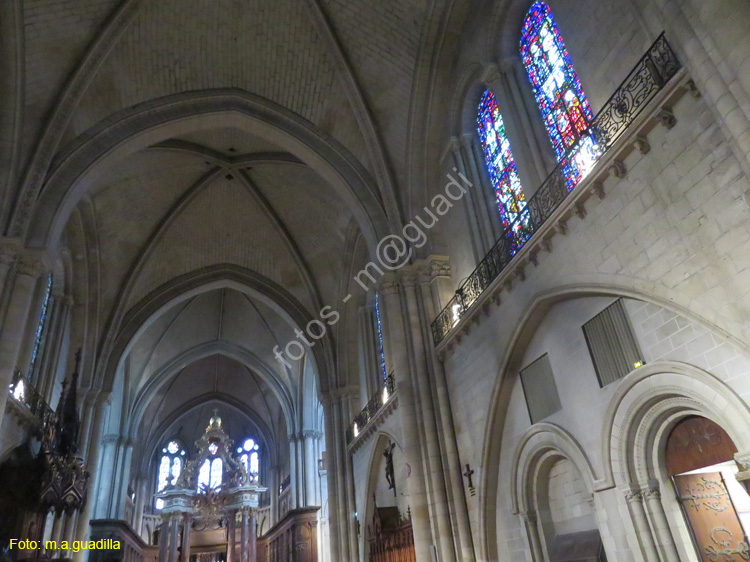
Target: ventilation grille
(540, 390)
(612, 344)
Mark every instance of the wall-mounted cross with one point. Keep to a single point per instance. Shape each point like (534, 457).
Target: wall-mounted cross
(469, 473)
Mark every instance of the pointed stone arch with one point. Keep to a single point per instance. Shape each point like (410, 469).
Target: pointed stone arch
(40, 222)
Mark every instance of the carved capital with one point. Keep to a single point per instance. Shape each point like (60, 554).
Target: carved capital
(633, 496)
(8, 253)
(309, 434)
(492, 75)
(388, 285)
(30, 266)
(439, 266)
(408, 276)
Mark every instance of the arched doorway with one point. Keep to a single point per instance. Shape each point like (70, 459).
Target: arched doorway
(699, 457)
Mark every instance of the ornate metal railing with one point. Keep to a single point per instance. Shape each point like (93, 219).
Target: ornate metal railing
(381, 397)
(649, 76)
(24, 393)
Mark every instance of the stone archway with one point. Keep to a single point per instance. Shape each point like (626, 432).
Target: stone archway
(646, 407)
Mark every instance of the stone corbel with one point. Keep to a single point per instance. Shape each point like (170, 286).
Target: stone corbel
(617, 169)
(666, 117)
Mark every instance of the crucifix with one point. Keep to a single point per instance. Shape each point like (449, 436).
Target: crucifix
(388, 454)
(469, 473)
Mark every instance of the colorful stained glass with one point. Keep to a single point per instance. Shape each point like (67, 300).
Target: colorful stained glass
(503, 172)
(380, 336)
(564, 106)
(213, 448)
(173, 447)
(40, 325)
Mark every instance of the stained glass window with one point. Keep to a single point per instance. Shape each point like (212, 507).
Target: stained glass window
(565, 109)
(211, 471)
(40, 325)
(249, 456)
(170, 467)
(380, 337)
(503, 172)
(216, 471)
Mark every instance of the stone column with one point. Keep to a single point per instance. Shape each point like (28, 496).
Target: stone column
(309, 435)
(642, 529)
(57, 529)
(434, 467)
(244, 539)
(187, 525)
(293, 482)
(231, 535)
(8, 255)
(164, 539)
(369, 349)
(476, 168)
(120, 492)
(174, 531)
(532, 531)
(140, 504)
(475, 210)
(664, 538)
(301, 492)
(275, 482)
(389, 289)
(92, 462)
(53, 347)
(252, 547)
(15, 322)
(434, 268)
(341, 528)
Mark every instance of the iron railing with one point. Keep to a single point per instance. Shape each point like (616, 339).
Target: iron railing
(381, 398)
(23, 392)
(649, 76)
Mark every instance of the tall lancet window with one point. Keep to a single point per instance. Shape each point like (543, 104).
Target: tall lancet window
(381, 357)
(170, 466)
(40, 326)
(249, 455)
(565, 109)
(503, 171)
(211, 472)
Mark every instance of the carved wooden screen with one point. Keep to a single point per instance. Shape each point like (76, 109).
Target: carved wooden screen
(713, 520)
(391, 537)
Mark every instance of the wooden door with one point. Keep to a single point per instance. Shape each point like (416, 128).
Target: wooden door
(711, 516)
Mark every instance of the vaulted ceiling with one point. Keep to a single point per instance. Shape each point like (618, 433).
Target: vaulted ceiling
(153, 196)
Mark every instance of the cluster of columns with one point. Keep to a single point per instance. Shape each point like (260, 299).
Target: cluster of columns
(170, 539)
(304, 452)
(531, 150)
(19, 275)
(175, 535)
(650, 522)
(409, 299)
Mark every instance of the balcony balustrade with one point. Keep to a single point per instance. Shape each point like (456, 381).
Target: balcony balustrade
(650, 75)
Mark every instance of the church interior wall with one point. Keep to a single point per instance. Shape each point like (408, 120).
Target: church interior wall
(135, 199)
